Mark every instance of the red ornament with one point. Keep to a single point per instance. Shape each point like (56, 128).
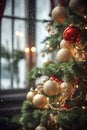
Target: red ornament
(56, 79)
(67, 106)
(72, 34)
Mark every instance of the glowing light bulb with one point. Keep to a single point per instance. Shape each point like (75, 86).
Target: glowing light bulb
(27, 49)
(33, 49)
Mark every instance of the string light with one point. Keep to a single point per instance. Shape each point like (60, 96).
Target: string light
(33, 49)
(27, 50)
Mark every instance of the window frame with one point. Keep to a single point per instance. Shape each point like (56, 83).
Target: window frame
(31, 34)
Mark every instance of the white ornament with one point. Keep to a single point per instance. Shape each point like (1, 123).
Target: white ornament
(51, 87)
(64, 44)
(65, 85)
(63, 55)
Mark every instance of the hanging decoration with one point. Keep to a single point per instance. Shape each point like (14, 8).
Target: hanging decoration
(30, 95)
(51, 87)
(72, 34)
(59, 14)
(39, 100)
(63, 55)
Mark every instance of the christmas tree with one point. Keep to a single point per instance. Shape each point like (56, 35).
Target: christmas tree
(59, 100)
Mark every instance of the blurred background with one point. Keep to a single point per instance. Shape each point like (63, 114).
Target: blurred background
(22, 29)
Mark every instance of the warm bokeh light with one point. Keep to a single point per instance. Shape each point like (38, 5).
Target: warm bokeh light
(27, 49)
(86, 27)
(33, 49)
(18, 33)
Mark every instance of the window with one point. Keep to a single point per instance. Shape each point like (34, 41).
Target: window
(16, 35)
(13, 41)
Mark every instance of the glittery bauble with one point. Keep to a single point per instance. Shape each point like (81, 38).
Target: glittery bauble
(51, 87)
(39, 101)
(59, 14)
(40, 127)
(72, 34)
(30, 95)
(68, 89)
(63, 55)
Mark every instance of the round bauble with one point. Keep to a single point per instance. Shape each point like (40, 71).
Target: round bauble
(30, 95)
(39, 101)
(72, 34)
(40, 87)
(40, 127)
(67, 88)
(65, 85)
(65, 44)
(51, 87)
(63, 55)
(59, 14)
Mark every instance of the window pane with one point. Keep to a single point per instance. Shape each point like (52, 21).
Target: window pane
(6, 37)
(8, 7)
(41, 32)
(6, 44)
(19, 74)
(20, 8)
(5, 74)
(19, 45)
(43, 9)
(19, 34)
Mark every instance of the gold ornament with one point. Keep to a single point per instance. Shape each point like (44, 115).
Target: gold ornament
(39, 101)
(63, 55)
(68, 89)
(59, 14)
(30, 95)
(79, 53)
(51, 87)
(40, 127)
(39, 88)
